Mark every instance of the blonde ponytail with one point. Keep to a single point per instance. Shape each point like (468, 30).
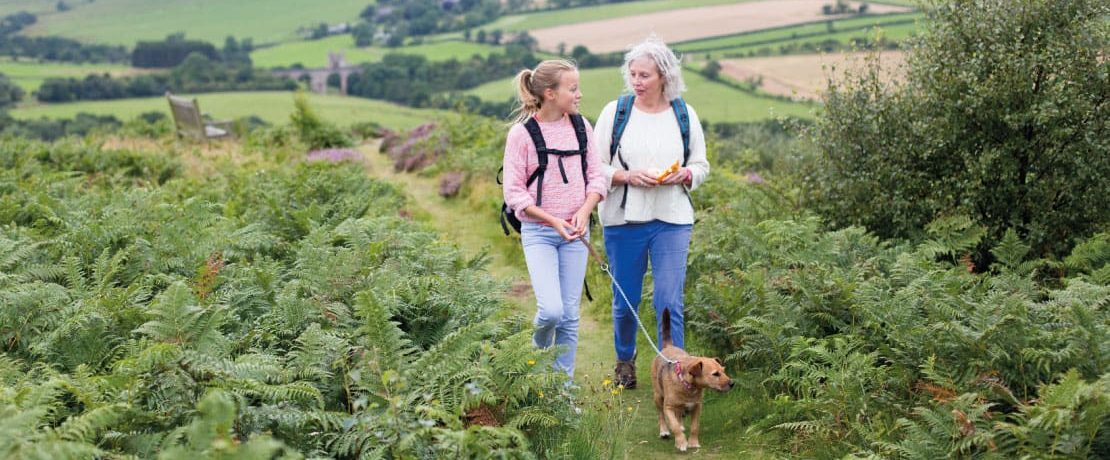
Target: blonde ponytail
(530, 85)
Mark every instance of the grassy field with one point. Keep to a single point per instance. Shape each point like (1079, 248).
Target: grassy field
(897, 32)
(714, 102)
(801, 33)
(30, 74)
(272, 106)
(314, 53)
(123, 22)
(36, 7)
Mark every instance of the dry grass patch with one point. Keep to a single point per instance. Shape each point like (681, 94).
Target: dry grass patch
(805, 76)
(692, 23)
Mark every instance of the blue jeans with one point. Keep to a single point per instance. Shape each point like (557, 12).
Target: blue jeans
(557, 268)
(629, 248)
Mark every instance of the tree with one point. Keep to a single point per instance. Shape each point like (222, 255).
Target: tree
(10, 93)
(1015, 136)
(712, 70)
(364, 34)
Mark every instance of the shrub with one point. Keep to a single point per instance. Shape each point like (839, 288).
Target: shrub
(1014, 136)
(314, 131)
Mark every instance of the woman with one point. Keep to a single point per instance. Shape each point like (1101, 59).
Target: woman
(651, 216)
(553, 203)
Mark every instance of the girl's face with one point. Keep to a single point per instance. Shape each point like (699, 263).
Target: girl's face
(566, 96)
(645, 78)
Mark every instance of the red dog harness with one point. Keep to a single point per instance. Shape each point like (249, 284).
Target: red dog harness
(678, 373)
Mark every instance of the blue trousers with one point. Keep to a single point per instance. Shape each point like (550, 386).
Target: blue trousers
(557, 268)
(629, 248)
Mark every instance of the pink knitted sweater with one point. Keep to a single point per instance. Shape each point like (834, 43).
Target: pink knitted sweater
(559, 199)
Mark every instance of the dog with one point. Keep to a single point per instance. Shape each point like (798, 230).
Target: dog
(678, 387)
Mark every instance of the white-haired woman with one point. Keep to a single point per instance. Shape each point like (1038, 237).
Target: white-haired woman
(653, 150)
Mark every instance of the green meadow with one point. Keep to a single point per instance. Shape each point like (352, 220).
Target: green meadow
(124, 22)
(30, 74)
(894, 27)
(713, 101)
(36, 7)
(272, 106)
(314, 53)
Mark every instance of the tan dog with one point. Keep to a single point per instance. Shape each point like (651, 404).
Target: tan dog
(678, 387)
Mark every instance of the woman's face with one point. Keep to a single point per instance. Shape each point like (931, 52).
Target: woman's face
(567, 95)
(645, 78)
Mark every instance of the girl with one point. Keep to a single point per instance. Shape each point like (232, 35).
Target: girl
(553, 180)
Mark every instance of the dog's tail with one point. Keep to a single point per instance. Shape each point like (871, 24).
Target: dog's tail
(665, 321)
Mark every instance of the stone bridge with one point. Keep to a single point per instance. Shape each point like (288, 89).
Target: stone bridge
(318, 78)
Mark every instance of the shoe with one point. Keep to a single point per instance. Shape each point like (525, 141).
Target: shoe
(625, 374)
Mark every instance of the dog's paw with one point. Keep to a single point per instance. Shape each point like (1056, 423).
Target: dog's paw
(694, 445)
(681, 445)
(664, 434)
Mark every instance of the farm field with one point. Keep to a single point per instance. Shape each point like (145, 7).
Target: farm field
(124, 22)
(894, 27)
(713, 101)
(689, 24)
(314, 53)
(540, 19)
(30, 74)
(36, 7)
(271, 106)
(805, 76)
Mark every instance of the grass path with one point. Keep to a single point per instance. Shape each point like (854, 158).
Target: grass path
(723, 434)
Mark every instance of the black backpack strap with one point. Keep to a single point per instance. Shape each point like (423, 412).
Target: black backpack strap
(504, 215)
(533, 128)
(583, 143)
(682, 114)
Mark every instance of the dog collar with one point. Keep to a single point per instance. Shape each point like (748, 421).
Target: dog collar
(681, 378)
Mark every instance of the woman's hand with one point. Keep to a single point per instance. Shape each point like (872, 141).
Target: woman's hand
(682, 176)
(581, 220)
(641, 178)
(565, 228)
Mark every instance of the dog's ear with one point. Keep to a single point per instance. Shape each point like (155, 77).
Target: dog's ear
(718, 360)
(695, 370)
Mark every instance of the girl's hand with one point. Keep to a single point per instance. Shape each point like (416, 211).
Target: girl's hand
(682, 176)
(565, 229)
(642, 178)
(581, 220)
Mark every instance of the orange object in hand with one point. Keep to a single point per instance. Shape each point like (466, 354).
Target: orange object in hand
(671, 170)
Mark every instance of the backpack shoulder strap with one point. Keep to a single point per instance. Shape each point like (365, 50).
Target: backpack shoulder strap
(580, 131)
(682, 114)
(620, 121)
(533, 128)
(583, 143)
(534, 132)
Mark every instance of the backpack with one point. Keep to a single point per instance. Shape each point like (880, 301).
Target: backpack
(508, 217)
(620, 121)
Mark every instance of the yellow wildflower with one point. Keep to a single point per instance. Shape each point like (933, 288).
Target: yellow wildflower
(531, 362)
(606, 382)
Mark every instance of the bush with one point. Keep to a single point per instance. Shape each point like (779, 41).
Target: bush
(1015, 136)
(10, 93)
(313, 131)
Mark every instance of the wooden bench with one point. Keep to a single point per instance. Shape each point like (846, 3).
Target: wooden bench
(191, 123)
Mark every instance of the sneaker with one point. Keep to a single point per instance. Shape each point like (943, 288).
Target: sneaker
(625, 374)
